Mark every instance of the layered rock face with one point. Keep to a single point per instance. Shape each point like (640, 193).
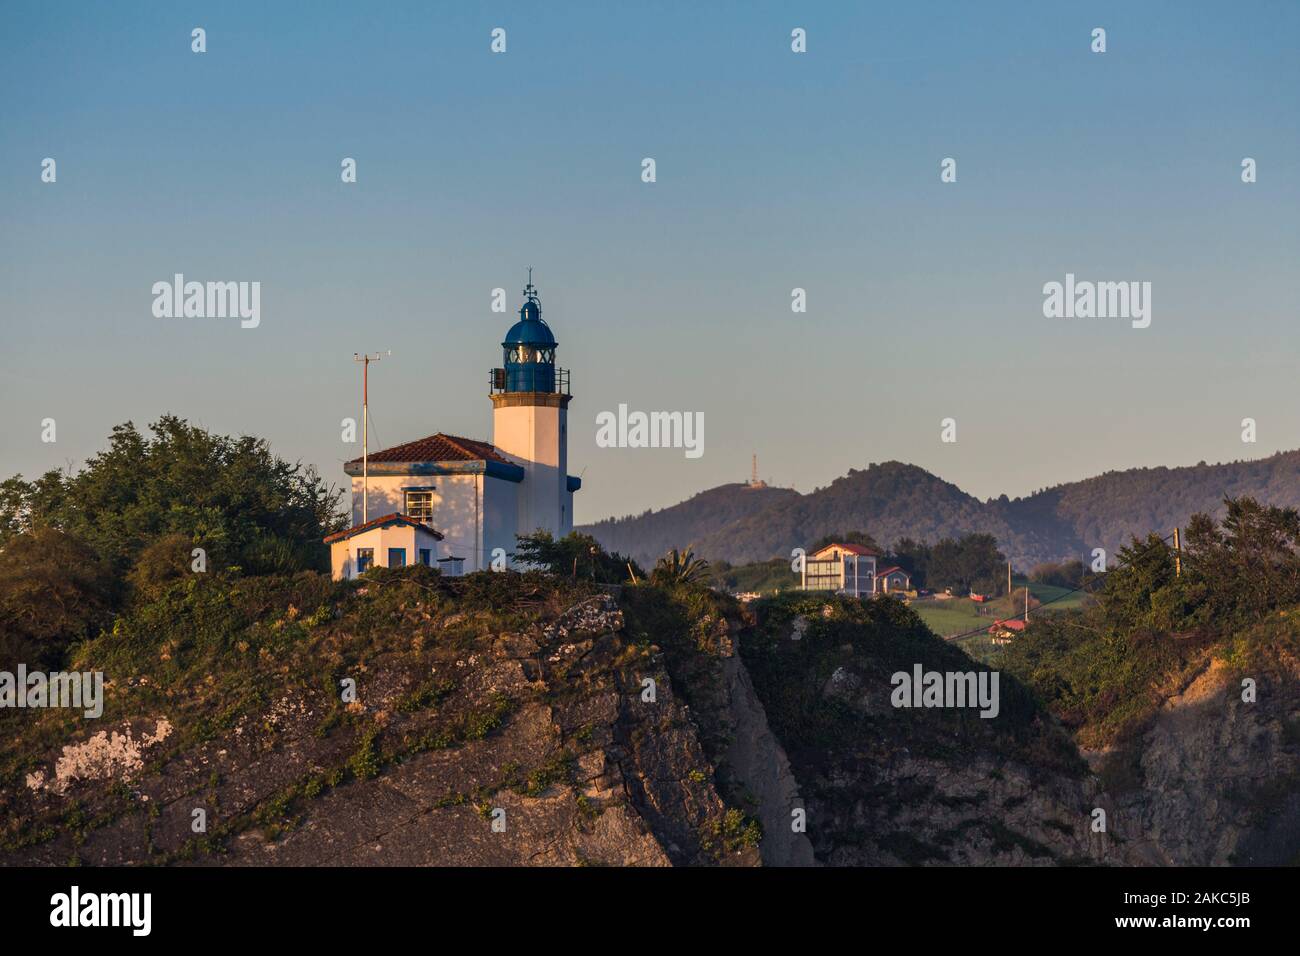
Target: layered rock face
(1215, 779)
(760, 770)
(545, 745)
(885, 785)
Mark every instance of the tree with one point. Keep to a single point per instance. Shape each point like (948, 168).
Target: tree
(1233, 572)
(574, 555)
(972, 562)
(1061, 574)
(914, 558)
(1246, 565)
(162, 562)
(230, 496)
(54, 591)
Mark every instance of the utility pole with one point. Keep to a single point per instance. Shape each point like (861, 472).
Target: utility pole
(1008, 578)
(365, 361)
(1178, 555)
(1026, 603)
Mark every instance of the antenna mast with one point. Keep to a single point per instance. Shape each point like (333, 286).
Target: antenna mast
(365, 361)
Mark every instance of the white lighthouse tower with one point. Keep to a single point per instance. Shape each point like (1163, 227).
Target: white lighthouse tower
(530, 402)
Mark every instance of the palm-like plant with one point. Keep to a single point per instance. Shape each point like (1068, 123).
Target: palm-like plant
(679, 567)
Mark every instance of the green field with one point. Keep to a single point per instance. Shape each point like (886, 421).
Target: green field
(960, 615)
(946, 618)
(1049, 592)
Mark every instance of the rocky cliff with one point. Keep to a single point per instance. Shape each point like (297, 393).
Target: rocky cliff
(408, 721)
(506, 719)
(885, 785)
(1215, 778)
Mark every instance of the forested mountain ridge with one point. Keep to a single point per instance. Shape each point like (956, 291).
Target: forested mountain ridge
(651, 534)
(891, 500)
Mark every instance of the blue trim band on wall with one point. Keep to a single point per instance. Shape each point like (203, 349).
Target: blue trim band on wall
(493, 469)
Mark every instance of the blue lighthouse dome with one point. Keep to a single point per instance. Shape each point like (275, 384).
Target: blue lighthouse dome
(529, 348)
(530, 329)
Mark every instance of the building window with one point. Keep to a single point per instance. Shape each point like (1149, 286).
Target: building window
(426, 556)
(419, 505)
(823, 575)
(365, 559)
(863, 577)
(397, 557)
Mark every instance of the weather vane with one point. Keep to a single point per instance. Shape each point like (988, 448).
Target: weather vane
(530, 293)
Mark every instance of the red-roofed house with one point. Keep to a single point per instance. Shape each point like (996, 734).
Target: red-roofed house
(1003, 631)
(840, 568)
(892, 578)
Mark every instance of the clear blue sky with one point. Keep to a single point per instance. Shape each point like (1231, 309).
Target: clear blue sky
(775, 170)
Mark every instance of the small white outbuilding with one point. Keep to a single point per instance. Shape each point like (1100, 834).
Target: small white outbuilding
(392, 541)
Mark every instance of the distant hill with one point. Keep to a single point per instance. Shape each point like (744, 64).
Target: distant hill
(893, 500)
(646, 537)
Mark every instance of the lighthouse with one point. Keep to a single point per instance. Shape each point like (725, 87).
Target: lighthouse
(530, 415)
(458, 503)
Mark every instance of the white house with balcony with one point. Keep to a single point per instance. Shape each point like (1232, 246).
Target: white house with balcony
(841, 569)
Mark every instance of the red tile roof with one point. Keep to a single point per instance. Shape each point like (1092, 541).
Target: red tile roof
(849, 548)
(438, 447)
(1012, 625)
(393, 518)
(891, 570)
